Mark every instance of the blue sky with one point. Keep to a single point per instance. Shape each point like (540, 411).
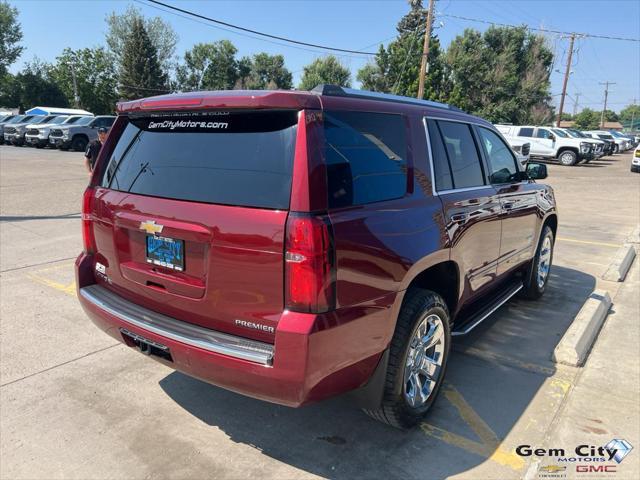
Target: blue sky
(49, 26)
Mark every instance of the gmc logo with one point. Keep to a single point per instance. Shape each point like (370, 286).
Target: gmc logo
(596, 468)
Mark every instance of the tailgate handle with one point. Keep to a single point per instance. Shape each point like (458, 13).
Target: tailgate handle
(155, 285)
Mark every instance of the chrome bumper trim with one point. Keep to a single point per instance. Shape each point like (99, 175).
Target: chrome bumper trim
(210, 340)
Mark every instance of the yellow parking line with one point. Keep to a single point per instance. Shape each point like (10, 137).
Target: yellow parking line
(505, 360)
(69, 289)
(489, 445)
(588, 242)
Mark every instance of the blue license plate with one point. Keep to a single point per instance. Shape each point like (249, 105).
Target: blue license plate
(165, 252)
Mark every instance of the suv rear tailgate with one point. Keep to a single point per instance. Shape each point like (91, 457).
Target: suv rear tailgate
(216, 200)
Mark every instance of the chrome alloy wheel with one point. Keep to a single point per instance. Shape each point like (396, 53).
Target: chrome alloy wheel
(544, 262)
(566, 158)
(424, 360)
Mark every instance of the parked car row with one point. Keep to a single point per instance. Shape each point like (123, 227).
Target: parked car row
(56, 131)
(566, 145)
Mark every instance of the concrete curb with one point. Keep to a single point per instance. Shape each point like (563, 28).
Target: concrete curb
(621, 263)
(579, 337)
(634, 237)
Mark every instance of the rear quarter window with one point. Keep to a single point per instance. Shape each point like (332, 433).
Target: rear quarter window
(231, 158)
(366, 157)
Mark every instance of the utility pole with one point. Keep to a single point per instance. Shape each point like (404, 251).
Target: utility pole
(572, 39)
(606, 95)
(633, 116)
(575, 104)
(425, 49)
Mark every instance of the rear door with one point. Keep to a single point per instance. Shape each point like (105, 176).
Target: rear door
(471, 206)
(518, 199)
(191, 215)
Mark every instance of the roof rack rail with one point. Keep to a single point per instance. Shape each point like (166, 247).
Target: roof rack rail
(338, 91)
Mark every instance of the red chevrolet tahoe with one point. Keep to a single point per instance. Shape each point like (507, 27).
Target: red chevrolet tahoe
(293, 246)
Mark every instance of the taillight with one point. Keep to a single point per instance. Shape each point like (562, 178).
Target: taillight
(309, 264)
(88, 238)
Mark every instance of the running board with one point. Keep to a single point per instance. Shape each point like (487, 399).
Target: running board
(484, 312)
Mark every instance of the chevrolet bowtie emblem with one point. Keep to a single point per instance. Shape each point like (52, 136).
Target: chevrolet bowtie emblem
(552, 468)
(151, 227)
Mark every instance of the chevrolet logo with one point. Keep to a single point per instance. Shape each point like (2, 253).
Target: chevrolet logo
(151, 227)
(552, 469)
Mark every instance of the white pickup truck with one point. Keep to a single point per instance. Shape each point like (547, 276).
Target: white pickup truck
(548, 145)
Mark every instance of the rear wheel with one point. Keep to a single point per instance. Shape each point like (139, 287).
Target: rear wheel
(79, 144)
(537, 275)
(418, 358)
(568, 158)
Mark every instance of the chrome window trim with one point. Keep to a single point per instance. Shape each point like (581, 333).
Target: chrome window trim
(174, 329)
(433, 171)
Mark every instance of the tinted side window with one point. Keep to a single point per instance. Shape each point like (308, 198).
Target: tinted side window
(441, 167)
(542, 133)
(462, 153)
(526, 132)
(502, 164)
(366, 157)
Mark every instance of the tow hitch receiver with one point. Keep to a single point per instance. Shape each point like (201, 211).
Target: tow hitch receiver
(146, 346)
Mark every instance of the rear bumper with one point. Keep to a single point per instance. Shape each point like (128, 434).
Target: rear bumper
(313, 356)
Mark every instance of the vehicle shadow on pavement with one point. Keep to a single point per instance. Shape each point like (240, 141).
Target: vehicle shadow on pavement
(482, 400)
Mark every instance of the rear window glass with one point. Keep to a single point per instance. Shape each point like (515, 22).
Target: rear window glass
(366, 157)
(231, 158)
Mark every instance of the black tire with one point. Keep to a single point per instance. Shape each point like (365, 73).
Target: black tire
(568, 158)
(533, 289)
(79, 144)
(616, 149)
(395, 409)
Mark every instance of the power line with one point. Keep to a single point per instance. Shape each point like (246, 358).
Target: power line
(544, 30)
(256, 32)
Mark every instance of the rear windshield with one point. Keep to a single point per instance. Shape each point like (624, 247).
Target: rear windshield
(230, 158)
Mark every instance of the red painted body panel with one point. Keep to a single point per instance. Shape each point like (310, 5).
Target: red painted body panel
(235, 255)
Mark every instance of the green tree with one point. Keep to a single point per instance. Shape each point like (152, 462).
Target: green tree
(209, 66)
(502, 75)
(610, 116)
(32, 86)
(161, 35)
(96, 78)
(264, 71)
(140, 72)
(9, 91)
(629, 114)
(587, 119)
(325, 70)
(396, 68)
(10, 36)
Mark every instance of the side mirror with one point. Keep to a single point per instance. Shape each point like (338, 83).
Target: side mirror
(536, 171)
(552, 137)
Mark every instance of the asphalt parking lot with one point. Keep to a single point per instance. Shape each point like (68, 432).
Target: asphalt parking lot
(74, 404)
